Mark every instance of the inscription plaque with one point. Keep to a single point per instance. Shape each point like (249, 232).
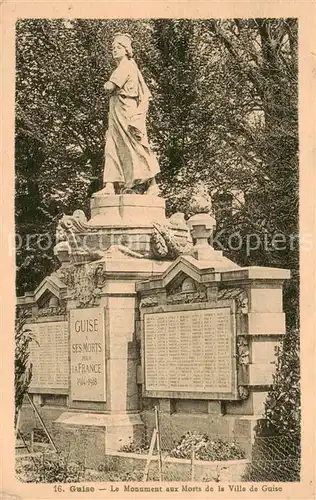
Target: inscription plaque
(50, 356)
(87, 355)
(189, 351)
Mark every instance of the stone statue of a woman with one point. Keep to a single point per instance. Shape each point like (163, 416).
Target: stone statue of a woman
(129, 161)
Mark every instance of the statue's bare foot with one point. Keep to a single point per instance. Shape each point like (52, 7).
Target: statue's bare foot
(153, 189)
(127, 191)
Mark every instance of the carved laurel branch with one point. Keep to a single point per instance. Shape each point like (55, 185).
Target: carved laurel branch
(166, 244)
(239, 295)
(52, 311)
(243, 350)
(243, 359)
(187, 298)
(243, 392)
(150, 301)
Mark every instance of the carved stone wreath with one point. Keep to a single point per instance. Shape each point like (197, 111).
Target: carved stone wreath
(84, 282)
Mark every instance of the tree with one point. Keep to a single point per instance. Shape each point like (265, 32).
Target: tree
(260, 127)
(224, 113)
(173, 68)
(61, 116)
(260, 122)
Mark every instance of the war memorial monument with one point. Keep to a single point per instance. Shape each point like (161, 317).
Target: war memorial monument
(143, 311)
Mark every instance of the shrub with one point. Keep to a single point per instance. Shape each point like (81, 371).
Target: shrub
(49, 469)
(59, 469)
(283, 405)
(205, 448)
(276, 450)
(22, 367)
(133, 447)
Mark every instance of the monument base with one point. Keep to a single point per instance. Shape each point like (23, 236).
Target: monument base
(126, 210)
(91, 436)
(136, 222)
(147, 319)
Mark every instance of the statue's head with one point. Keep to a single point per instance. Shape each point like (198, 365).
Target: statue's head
(122, 46)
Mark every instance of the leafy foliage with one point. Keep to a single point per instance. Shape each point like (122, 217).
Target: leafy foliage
(205, 448)
(50, 469)
(283, 405)
(224, 113)
(278, 434)
(58, 468)
(133, 447)
(22, 367)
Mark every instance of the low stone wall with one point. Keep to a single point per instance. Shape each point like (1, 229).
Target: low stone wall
(227, 427)
(179, 469)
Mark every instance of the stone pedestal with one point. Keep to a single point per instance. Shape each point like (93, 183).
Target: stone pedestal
(94, 435)
(104, 407)
(124, 220)
(113, 419)
(130, 221)
(128, 267)
(126, 210)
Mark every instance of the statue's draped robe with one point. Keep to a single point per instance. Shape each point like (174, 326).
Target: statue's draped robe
(128, 157)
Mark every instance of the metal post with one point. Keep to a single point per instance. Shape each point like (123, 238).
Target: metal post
(42, 423)
(192, 462)
(32, 441)
(20, 435)
(158, 443)
(150, 454)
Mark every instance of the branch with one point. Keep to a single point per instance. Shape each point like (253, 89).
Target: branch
(231, 49)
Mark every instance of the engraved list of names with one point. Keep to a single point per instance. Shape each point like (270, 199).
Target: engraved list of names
(189, 351)
(49, 355)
